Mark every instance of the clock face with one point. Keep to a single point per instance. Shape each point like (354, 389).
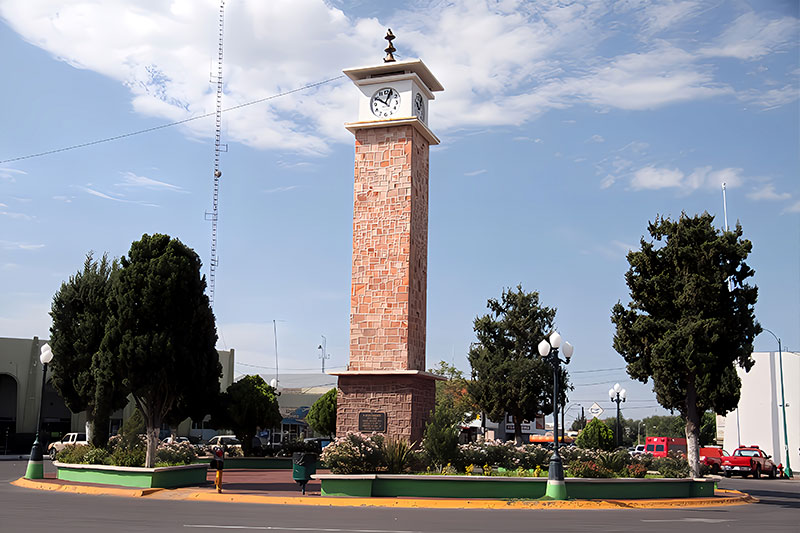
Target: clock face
(385, 102)
(419, 107)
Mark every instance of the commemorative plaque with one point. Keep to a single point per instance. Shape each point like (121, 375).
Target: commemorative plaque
(372, 422)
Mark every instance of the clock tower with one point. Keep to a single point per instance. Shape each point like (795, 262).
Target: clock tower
(386, 388)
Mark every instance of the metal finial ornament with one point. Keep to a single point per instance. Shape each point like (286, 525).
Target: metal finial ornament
(389, 49)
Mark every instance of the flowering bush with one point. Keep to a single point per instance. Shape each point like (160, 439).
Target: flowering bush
(588, 469)
(353, 454)
(175, 454)
(635, 470)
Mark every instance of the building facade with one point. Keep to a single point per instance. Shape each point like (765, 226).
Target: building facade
(758, 420)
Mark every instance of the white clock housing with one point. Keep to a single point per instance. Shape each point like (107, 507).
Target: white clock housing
(411, 80)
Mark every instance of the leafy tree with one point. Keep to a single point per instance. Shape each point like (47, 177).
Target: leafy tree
(161, 335)
(596, 435)
(80, 312)
(628, 429)
(248, 403)
(579, 423)
(452, 396)
(508, 374)
(322, 415)
(708, 429)
(685, 327)
(664, 426)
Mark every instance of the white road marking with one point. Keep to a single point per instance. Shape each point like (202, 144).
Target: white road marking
(280, 528)
(703, 520)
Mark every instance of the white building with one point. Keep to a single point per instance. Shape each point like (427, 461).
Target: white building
(759, 417)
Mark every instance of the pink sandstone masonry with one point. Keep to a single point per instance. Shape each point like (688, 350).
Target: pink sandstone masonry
(390, 250)
(389, 284)
(406, 400)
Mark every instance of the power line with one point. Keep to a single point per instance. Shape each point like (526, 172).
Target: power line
(167, 125)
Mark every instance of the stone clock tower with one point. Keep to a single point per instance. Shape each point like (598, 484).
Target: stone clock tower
(385, 388)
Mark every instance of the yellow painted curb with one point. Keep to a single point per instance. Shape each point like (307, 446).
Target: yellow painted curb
(725, 497)
(736, 498)
(83, 489)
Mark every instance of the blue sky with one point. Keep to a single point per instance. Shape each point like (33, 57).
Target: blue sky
(565, 127)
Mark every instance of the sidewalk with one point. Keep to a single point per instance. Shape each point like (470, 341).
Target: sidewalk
(276, 487)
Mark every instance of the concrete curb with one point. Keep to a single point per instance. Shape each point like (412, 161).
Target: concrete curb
(84, 489)
(723, 497)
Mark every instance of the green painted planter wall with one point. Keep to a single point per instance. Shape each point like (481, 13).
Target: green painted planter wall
(508, 488)
(265, 463)
(145, 478)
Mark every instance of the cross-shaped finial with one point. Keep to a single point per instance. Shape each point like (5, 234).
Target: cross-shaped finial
(389, 49)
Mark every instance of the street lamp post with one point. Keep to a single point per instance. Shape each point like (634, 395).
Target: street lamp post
(35, 468)
(617, 394)
(788, 469)
(324, 353)
(556, 489)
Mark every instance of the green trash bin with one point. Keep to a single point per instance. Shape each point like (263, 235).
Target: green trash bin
(304, 464)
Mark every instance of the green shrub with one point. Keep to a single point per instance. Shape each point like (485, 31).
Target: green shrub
(133, 456)
(588, 469)
(614, 461)
(671, 466)
(596, 435)
(96, 456)
(395, 454)
(73, 454)
(440, 441)
(353, 454)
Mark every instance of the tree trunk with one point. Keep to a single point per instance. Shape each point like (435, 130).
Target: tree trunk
(153, 423)
(692, 431)
(517, 429)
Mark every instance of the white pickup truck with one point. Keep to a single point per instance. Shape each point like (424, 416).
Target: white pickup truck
(67, 440)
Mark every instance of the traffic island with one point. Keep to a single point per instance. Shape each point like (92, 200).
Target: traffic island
(432, 486)
(253, 463)
(166, 477)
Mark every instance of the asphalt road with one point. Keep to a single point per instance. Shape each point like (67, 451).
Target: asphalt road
(31, 511)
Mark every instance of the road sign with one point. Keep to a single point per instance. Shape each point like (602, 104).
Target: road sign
(595, 410)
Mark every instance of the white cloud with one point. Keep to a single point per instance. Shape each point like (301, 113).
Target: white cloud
(654, 178)
(11, 245)
(767, 192)
(116, 198)
(771, 98)
(794, 208)
(501, 62)
(475, 172)
(131, 180)
(280, 189)
(752, 36)
(9, 173)
(597, 139)
(15, 215)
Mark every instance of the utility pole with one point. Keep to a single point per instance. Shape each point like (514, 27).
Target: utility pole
(324, 353)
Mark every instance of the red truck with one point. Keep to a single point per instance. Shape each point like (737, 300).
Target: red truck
(661, 446)
(712, 457)
(748, 460)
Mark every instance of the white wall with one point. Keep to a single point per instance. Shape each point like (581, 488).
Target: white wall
(759, 417)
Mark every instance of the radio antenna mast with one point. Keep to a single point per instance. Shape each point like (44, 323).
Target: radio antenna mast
(218, 148)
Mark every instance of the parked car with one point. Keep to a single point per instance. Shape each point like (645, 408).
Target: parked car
(636, 450)
(224, 440)
(748, 460)
(712, 457)
(176, 440)
(661, 446)
(67, 440)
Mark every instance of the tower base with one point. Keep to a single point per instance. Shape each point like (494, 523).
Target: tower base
(396, 403)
